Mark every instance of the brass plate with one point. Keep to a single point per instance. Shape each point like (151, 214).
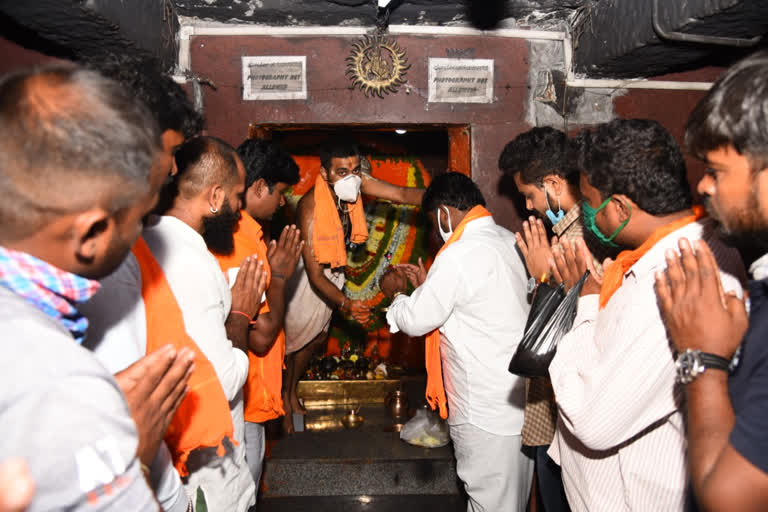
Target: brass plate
(320, 394)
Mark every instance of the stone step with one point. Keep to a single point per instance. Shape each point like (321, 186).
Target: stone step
(370, 461)
(363, 503)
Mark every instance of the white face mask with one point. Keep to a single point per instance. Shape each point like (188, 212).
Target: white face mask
(445, 235)
(348, 188)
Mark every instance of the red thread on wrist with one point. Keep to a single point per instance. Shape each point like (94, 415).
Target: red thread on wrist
(250, 319)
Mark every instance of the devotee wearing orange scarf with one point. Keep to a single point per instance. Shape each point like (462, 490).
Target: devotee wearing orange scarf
(136, 312)
(620, 437)
(210, 183)
(331, 218)
(473, 307)
(269, 172)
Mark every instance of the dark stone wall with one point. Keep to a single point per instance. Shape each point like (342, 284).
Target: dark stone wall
(671, 109)
(151, 24)
(480, 13)
(617, 39)
(88, 31)
(17, 57)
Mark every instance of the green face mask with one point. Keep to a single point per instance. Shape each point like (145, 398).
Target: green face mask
(589, 222)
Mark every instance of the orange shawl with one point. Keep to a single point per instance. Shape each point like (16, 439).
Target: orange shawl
(435, 387)
(203, 418)
(613, 276)
(262, 391)
(327, 232)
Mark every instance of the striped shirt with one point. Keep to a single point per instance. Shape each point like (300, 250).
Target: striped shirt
(620, 436)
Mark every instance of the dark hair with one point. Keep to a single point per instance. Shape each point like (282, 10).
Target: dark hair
(165, 98)
(264, 159)
(452, 189)
(734, 112)
(204, 161)
(538, 153)
(69, 139)
(337, 149)
(637, 158)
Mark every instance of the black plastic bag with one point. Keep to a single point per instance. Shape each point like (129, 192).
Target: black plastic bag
(551, 316)
(546, 298)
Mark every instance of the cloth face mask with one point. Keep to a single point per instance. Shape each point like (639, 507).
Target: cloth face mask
(589, 222)
(445, 235)
(553, 217)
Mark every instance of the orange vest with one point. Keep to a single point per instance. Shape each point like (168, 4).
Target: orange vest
(613, 276)
(435, 387)
(262, 391)
(203, 419)
(327, 232)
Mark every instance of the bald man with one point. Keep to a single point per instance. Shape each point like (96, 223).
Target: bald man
(210, 183)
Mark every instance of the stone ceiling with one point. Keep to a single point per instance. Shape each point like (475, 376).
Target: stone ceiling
(612, 38)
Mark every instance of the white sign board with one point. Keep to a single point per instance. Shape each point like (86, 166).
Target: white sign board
(461, 80)
(274, 78)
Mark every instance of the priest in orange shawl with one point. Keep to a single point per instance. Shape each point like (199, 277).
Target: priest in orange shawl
(269, 172)
(620, 437)
(331, 219)
(472, 305)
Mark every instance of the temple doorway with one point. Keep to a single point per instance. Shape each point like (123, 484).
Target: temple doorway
(405, 156)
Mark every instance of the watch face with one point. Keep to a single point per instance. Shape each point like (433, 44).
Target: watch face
(531, 284)
(688, 366)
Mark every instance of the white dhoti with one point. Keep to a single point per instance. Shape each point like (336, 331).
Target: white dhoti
(496, 474)
(225, 480)
(254, 450)
(306, 313)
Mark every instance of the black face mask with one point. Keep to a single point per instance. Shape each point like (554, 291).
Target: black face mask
(219, 230)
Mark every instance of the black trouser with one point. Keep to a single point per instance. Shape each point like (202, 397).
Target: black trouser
(550, 483)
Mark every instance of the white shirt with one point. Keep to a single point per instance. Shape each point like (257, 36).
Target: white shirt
(475, 294)
(203, 295)
(620, 436)
(202, 292)
(117, 335)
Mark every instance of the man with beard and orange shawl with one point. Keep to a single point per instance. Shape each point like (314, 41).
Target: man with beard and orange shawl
(269, 173)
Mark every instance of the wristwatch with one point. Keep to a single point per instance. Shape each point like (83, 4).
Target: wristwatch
(531, 285)
(692, 363)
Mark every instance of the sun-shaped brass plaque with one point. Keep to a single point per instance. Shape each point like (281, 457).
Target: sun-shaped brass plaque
(377, 65)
